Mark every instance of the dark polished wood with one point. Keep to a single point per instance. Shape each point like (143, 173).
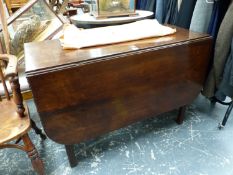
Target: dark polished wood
(33, 155)
(71, 155)
(81, 94)
(181, 113)
(17, 96)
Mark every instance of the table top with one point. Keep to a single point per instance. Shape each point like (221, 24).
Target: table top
(49, 55)
(86, 18)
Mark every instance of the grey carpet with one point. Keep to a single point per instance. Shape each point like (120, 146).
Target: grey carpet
(157, 146)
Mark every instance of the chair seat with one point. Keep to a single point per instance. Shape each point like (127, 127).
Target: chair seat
(11, 125)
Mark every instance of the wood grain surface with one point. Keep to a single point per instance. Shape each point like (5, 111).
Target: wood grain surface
(81, 94)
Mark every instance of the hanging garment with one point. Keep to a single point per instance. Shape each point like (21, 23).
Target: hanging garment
(179, 3)
(219, 10)
(185, 14)
(142, 4)
(221, 51)
(161, 10)
(150, 6)
(172, 12)
(201, 16)
(226, 85)
(138, 2)
(146, 5)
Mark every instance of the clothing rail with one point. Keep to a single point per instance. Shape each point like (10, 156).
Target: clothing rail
(228, 112)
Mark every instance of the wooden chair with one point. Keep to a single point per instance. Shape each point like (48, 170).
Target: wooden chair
(15, 122)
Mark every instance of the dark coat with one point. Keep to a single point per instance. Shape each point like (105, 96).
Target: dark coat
(221, 52)
(185, 14)
(161, 10)
(226, 85)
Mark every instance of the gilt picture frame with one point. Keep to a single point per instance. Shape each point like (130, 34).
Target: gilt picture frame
(113, 8)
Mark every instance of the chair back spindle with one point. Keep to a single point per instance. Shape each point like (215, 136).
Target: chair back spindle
(4, 27)
(6, 38)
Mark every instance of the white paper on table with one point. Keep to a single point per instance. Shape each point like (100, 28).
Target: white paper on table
(75, 38)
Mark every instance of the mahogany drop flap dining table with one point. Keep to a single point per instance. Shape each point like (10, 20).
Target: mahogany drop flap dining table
(81, 94)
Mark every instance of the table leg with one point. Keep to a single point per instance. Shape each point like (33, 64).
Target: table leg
(180, 117)
(71, 155)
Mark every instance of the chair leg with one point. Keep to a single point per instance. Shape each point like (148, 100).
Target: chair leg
(37, 163)
(18, 140)
(37, 130)
(227, 114)
(180, 117)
